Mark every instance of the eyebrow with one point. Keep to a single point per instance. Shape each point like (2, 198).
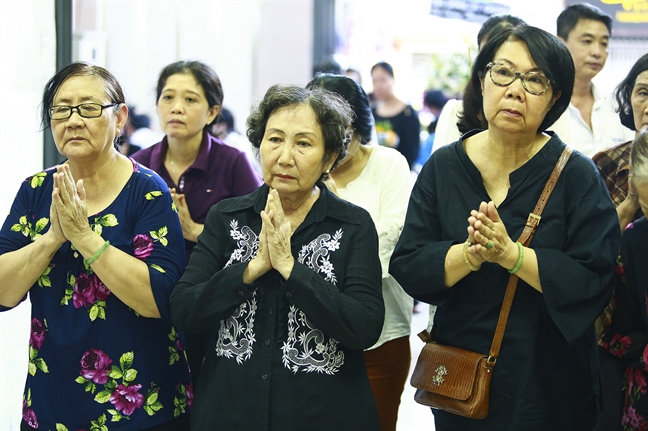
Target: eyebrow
(275, 130)
(593, 36)
(186, 91)
(510, 63)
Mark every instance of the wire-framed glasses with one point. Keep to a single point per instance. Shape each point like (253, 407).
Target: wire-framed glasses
(86, 110)
(503, 75)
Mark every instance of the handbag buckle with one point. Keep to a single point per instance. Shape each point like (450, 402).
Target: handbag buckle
(490, 361)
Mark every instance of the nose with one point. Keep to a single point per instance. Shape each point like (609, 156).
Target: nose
(515, 88)
(75, 117)
(285, 154)
(598, 49)
(177, 105)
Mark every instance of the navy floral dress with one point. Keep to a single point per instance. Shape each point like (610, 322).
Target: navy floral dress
(627, 336)
(94, 363)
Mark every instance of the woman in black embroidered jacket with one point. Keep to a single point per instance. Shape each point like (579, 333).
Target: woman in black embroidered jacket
(289, 280)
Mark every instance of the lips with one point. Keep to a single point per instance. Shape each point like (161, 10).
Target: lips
(175, 122)
(512, 112)
(285, 177)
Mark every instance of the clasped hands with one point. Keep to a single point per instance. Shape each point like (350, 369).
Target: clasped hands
(274, 242)
(68, 211)
(488, 240)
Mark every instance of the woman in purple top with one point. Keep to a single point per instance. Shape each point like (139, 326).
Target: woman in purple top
(199, 169)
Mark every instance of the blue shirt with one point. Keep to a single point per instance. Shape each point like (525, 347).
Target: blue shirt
(92, 359)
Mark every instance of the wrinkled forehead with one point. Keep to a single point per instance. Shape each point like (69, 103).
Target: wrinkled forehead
(81, 88)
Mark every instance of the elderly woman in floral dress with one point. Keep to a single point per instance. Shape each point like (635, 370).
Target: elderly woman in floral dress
(98, 247)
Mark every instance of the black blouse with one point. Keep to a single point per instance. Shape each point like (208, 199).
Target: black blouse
(287, 354)
(547, 369)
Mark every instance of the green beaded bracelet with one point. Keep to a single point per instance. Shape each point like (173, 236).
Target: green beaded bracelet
(519, 261)
(97, 254)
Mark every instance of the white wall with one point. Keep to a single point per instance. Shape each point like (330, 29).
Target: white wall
(27, 50)
(250, 44)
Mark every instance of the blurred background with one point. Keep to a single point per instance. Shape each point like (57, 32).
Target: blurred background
(251, 45)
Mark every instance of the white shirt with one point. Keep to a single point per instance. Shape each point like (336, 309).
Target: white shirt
(383, 189)
(607, 130)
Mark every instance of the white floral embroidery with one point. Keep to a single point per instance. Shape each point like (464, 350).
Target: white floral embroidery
(316, 254)
(236, 333)
(247, 241)
(318, 352)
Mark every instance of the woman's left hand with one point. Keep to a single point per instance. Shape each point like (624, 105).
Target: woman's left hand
(492, 241)
(278, 235)
(69, 200)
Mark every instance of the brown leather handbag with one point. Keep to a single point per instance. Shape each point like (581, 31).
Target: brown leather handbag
(457, 380)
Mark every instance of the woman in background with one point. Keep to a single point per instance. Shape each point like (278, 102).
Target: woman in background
(199, 169)
(397, 124)
(377, 179)
(627, 336)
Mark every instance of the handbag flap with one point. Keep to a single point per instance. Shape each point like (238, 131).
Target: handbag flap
(446, 370)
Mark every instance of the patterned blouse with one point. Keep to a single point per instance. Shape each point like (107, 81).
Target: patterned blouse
(627, 336)
(94, 363)
(289, 351)
(614, 165)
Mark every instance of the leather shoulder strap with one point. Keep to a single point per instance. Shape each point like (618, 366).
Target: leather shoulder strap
(525, 238)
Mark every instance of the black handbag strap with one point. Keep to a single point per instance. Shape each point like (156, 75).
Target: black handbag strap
(525, 238)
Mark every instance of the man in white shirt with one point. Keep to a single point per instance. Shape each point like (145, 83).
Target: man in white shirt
(590, 123)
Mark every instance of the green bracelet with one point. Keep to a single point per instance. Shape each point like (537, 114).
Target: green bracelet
(519, 262)
(97, 254)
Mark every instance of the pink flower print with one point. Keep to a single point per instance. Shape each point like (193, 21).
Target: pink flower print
(142, 246)
(127, 398)
(640, 380)
(619, 345)
(37, 334)
(95, 365)
(84, 291)
(101, 290)
(189, 394)
(179, 344)
(29, 416)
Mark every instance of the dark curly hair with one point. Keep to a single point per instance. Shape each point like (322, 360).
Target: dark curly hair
(623, 92)
(353, 93)
(548, 52)
(334, 115)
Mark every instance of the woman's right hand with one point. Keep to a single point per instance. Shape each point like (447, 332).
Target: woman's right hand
(55, 233)
(261, 263)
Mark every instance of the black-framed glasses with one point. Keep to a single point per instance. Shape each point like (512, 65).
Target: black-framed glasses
(86, 110)
(503, 75)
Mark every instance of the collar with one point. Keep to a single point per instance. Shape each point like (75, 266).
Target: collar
(202, 160)
(328, 205)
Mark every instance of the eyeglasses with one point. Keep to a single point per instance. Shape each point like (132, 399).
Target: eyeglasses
(86, 110)
(533, 82)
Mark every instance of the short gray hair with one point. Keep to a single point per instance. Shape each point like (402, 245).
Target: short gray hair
(334, 115)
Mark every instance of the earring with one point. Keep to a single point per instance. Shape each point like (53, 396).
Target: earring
(326, 172)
